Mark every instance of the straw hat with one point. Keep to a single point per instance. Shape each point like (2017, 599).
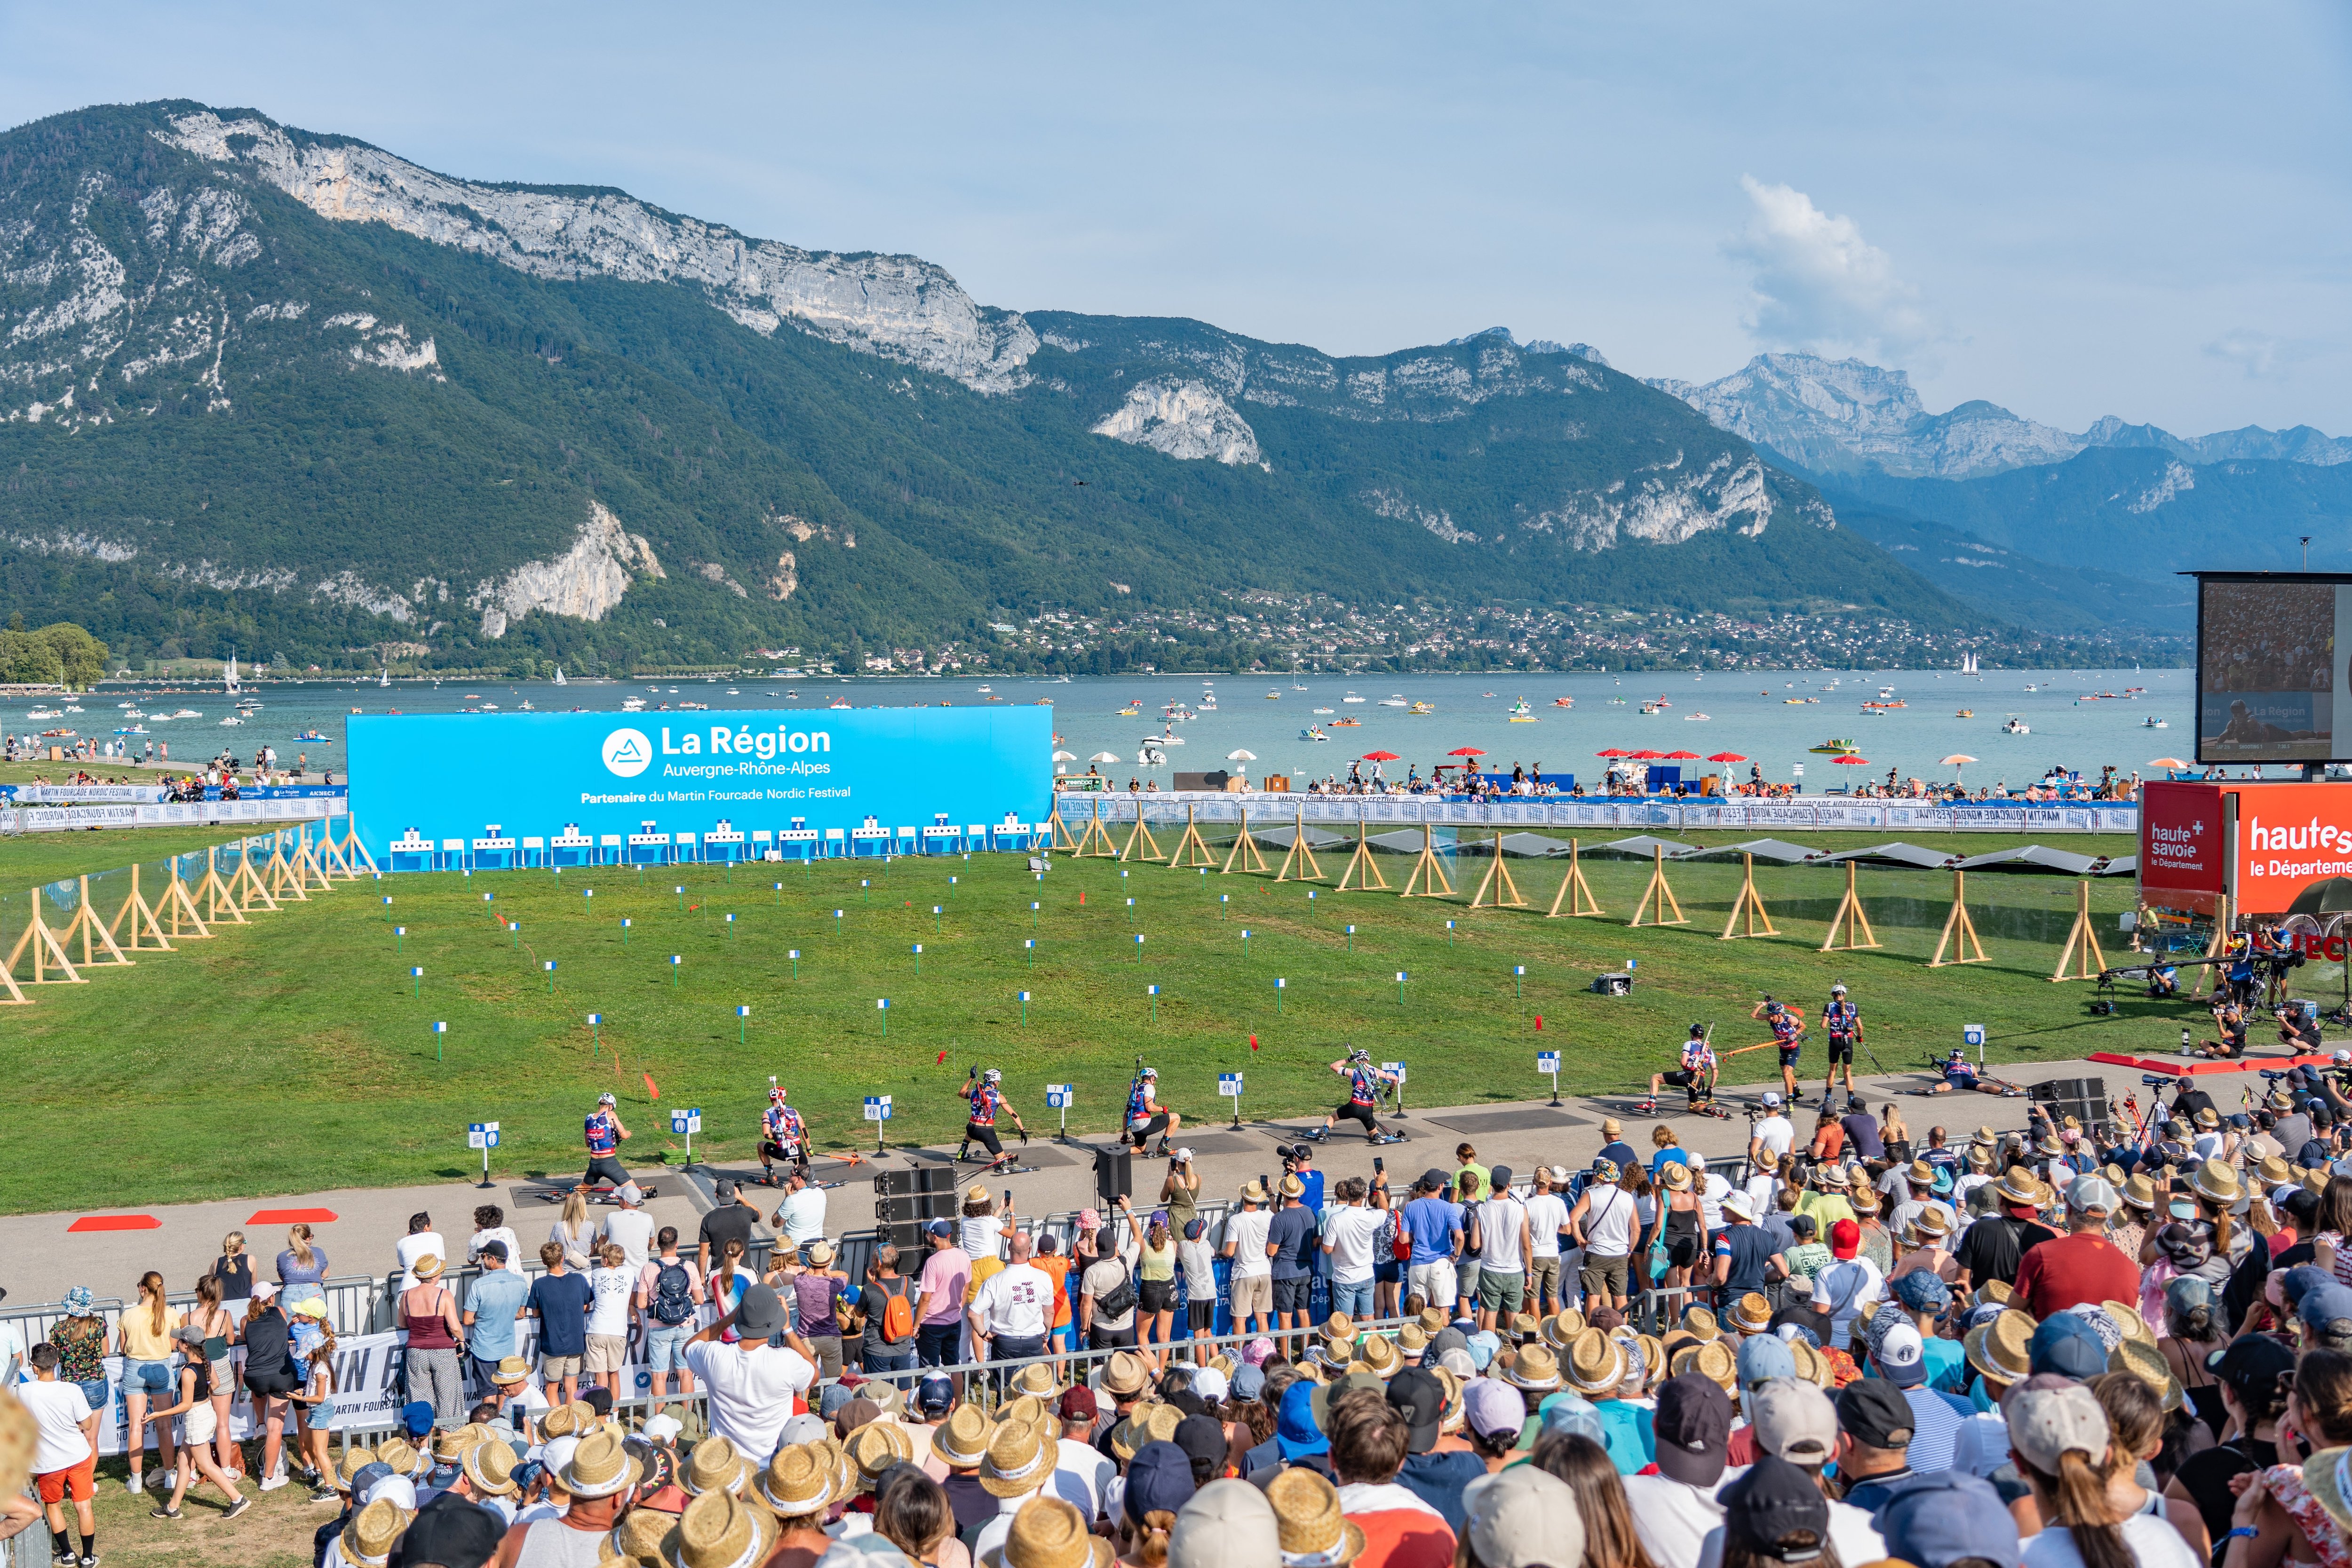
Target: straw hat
(845, 1474)
(1980, 1159)
(600, 1466)
(1411, 1339)
(2000, 1350)
(1712, 1360)
(2127, 1318)
(1525, 1325)
(2327, 1476)
(875, 1447)
(1017, 1462)
(1432, 1320)
(567, 1420)
(352, 1463)
(1308, 1519)
(1654, 1360)
(1291, 1187)
(489, 1466)
(373, 1532)
(1037, 1379)
(1865, 1201)
(2208, 1118)
(1127, 1372)
(720, 1529)
(1752, 1313)
(1927, 1226)
(1024, 1409)
(2144, 1362)
(428, 1266)
(1534, 1367)
(1811, 1364)
(819, 1253)
(799, 1480)
(1455, 1413)
(976, 1194)
(2275, 1171)
(962, 1441)
(2053, 1147)
(450, 1445)
(2316, 1179)
(1560, 1330)
(714, 1466)
(1675, 1178)
(1700, 1324)
(1595, 1364)
(396, 1453)
(639, 1537)
(1831, 1175)
(1253, 1190)
(2140, 1193)
(2018, 1185)
(1382, 1356)
(1049, 1533)
(1148, 1423)
(2216, 1182)
(1983, 1138)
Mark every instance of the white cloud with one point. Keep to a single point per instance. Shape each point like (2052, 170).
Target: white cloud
(2261, 357)
(1819, 286)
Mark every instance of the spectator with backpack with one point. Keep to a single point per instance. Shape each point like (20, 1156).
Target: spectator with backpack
(669, 1295)
(888, 1345)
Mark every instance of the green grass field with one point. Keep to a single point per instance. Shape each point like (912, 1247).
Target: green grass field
(297, 1053)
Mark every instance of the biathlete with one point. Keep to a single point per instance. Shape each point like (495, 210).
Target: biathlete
(1694, 1077)
(1146, 1115)
(604, 1134)
(1364, 1082)
(1842, 1021)
(1961, 1074)
(782, 1136)
(980, 1121)
(1789, 1034)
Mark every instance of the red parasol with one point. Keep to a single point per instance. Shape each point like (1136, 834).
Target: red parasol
(1727, 757)
(1851, 761)
(1682, 756)
(1647, 756)
(1465, 752)
(1612, 752)
(1380, 757)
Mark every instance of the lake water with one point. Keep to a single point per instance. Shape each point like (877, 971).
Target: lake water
(1748, 714)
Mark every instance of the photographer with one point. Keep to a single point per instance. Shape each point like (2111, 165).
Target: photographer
(1180, 1191)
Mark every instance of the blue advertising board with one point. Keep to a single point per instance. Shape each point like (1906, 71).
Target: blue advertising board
(451, 775)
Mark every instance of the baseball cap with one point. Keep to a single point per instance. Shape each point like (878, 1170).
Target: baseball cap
(2065, 1344)
(2045, 1424)
(1203, 1438)
(1772, 1096)
(1772, 1500)
(2251, 1360)
(1575, 1414)
(723, 1190)
(2093, 1192)
(1210, 1384)
(1762, 1358)
(1249, 1382)
(2324, 1306)
(939, 1227)
(1420, 1397)
(1693, 1426)
(1944, 1517)
(1295, 1432)
(935, 1393)
(1902, 1355)
(1489, 1407)
(1795, 1420)
(1078, 1404)
(1874, 1414)
(416, 1417)
(1227, 1524)
(1522, 1517)
(1845, 1238)
(1434, 1179)
(1159, 1479)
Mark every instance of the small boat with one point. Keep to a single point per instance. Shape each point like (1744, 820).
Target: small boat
(1836, 748)
(1274, 696)
(1326, 710)
(313, 738)
(838, 703)
(55, 734)
(486, 707)
(1885, 705)
(984, 691)
(1966, 713)
(50, 713)
(1616, 702)
(1313, 732)
(1351, 697)
(1525, 719)
(1563, 701)
(1346, 723)
(1395, 699)
(524, 705)
(192, 713)
(73, 706)
(1520, 706)
(2014, 728)
(1129, 711)
(1165, 740)
(134, 730)
(383, 676)
(1792, 701)
(1419, 707)
(1298, 686)
(632, 705)
(1660, 706)
(230, 720)
(1693, 718)
(561, 682)
(2153, 722)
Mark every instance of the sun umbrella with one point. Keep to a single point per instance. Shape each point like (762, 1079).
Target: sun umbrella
(1612, 752)
(1647, 756)
(1380, 757)
(1240, 756)
(1957, 759)
(1465, 752)
(1104, 757)
(1065, 756)
(1682, 756)
(1851, 761)
(2169, 763)
(1727, 757)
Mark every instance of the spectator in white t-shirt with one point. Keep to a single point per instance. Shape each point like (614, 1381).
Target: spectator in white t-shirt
(1252, 1280)
(615, 1287)
(1504, 1247)
(1845, 1286)
(490, 1225)
(751, 1381)
(629, 1226)
(65, 1454)
(801, 1217)
(1547, 1217)
(422, 1241)
(1711, 1190)
(1349, 1231)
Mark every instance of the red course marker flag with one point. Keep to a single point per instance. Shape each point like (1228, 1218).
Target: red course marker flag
(1252, 1042)
(1539, 1023)
(943, 1056)
(649, 1087)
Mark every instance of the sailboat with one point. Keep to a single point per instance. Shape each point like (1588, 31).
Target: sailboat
(383, 676)
(559, 676)
(228, 674)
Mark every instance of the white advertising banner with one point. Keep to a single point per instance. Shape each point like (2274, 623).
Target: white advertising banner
(234, 813)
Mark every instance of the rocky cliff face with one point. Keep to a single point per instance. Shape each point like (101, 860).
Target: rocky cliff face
(897, 306)
(586, 581)
(1183, 419)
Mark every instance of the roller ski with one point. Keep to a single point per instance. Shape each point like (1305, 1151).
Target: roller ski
(984, 1103)
(1367, 1084)
(782, 1136)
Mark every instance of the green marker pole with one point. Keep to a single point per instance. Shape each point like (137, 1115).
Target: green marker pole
(400, 942)
(935, 919)
(918, 961)
(1138, 947)
(417, 982)
(1400, 987)
(780, 895)
(1153, 991)
(595, 1033)
(624, 931)
(680, 892)
(1351, 939)
(730, 925)
(866, 895)
(1449, 936)
(674, 960)
(741, 1013)
(1245, 944)
(837, 922)
(796, 963)
(439, 1032)
(1224, 900)
(1024, 1009)
(882, 1006)
(1032, 914)
(514, 930)
(1130, 910)
(1031, 944)
(551, 977)
(1280, 986)
(1518, 983)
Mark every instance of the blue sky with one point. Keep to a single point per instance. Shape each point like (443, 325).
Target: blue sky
(2073, 211)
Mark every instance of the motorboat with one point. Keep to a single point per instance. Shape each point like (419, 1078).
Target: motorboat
(2153, 722)
(1132, 709)
(230, 721)
(187, 713)
(1326, 710)
(313, 738)
(1836, 748)
(2014, 728)
(1563, 701)
(1693, 718)
(632, 705)
(1275, 696)
(1313, 732)
(1394, 701)
(1966, 713)
(50, 713)
(1351, 697)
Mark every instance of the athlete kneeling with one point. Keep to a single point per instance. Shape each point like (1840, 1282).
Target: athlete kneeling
(1146, 1115)
(1694, 1077)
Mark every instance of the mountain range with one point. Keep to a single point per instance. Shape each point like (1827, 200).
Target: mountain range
(276, 389)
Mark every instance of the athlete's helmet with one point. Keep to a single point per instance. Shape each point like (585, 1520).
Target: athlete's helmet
(1839, 989)
(775, 1097)
(1152, 1073)
(1698, 1031)
(993, 1075)
(1357, 1054)
(606, 1099)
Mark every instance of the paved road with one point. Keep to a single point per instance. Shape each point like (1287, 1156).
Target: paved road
(39, 1258)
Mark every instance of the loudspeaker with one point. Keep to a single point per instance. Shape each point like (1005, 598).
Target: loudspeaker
(905, 1235)
(1114, 1174)
(923, 1179)
(2084, 1099)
